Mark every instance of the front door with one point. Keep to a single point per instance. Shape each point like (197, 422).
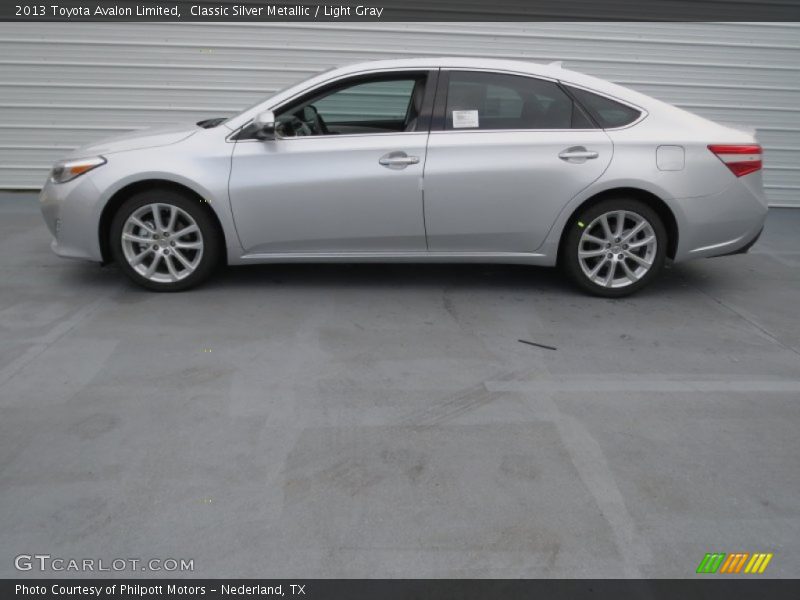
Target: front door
(343, 174)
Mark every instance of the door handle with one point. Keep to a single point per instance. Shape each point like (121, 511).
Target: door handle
(397, 160)
(577, 154)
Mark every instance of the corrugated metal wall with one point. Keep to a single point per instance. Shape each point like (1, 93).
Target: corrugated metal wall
(62, 85)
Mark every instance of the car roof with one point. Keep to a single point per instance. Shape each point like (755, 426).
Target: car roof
(450, 61)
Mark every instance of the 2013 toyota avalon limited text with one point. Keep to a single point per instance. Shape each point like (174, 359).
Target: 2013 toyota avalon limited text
(427, 160)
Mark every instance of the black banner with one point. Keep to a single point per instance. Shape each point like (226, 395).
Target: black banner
(734, 588)
(401, 10)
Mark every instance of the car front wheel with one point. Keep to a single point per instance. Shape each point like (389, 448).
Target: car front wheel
(164, 240)
(615, 247)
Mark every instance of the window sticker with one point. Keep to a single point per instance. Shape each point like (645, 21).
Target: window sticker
(465, 118)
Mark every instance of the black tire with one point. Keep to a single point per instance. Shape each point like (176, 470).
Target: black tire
(208, 235)
(578, 225)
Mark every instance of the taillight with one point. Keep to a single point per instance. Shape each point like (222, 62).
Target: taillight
(740, 159)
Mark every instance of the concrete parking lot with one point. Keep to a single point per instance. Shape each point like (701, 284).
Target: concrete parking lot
(385, 421)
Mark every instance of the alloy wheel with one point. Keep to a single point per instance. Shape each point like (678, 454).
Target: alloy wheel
(162, 242)
(617, 249)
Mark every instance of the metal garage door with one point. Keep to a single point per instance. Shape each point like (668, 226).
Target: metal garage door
(67, 84)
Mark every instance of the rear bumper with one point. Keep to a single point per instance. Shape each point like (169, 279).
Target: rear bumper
(721, 224)
(746, 248)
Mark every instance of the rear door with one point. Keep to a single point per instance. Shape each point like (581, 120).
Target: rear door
(510, 151)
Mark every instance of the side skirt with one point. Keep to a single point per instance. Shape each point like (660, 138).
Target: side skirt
(523, 258)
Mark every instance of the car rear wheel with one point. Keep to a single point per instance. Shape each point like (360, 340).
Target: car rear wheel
(615, 247)
(164, 240)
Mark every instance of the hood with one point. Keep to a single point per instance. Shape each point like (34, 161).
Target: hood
(137, 140)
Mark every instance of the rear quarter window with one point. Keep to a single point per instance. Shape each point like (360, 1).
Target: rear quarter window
(606, 112)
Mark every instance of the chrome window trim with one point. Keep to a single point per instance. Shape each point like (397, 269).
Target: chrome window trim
(331, 136)
(518, 130)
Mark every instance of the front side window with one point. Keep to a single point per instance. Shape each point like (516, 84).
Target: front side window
(372, 101)
(382, 104)
(479, 100)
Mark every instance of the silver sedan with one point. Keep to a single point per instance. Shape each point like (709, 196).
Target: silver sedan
(424, 160)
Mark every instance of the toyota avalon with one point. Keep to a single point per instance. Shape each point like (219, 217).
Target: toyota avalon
(423, 160)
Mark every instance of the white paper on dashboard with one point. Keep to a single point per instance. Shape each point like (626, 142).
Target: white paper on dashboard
(465, 118)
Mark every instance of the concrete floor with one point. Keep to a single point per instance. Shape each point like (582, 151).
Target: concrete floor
(384, 421)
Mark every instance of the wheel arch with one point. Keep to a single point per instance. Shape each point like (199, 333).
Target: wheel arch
(661, 208)
(128, 190)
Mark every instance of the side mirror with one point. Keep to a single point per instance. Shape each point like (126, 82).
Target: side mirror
(264, 124)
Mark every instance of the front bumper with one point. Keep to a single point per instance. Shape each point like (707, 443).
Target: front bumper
(71, 214)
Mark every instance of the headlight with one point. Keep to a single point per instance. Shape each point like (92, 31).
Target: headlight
(67, 170)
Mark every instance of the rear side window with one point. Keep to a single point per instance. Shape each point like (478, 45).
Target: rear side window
(608, 113)
(479, 100)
